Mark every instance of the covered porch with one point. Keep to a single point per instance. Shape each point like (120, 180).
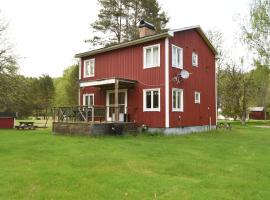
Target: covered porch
(114, 105)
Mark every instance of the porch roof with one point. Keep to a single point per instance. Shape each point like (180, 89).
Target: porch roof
(109, 83)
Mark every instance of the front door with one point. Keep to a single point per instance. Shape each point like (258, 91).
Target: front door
(122, 103)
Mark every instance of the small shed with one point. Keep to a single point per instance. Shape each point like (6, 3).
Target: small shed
(257, 113)
(7, 120)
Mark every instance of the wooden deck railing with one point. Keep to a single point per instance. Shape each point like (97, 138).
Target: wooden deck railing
(90, 113)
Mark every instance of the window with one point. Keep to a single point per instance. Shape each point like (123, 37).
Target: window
(177, 100)
(194, 59)
(88, 99)
(197, 96)
(177, 57)
(89, 68)
(151, 56)
(151, 99)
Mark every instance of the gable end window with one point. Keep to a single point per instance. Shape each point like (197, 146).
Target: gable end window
(197, 97)
(177, 57)
(151, 56)
(195, 59)
(89, 68)
(177, 100)
(88, 99)
(151, 99)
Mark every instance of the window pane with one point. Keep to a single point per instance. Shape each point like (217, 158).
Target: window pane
(174, 56)
(155, 56)
(155, 99)
(148, 99)
(148, 57)
(179, 99)
(87, 68)
(121, 98)
(91, 102)
(92, 67)
(178, 57)
(174, 99)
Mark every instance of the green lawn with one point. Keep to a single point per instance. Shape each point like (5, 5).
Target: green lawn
(219, 165)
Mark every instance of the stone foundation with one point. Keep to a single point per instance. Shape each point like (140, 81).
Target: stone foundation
(80, 128)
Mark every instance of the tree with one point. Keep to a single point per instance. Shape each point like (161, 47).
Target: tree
(67, 87)
(216, 38)
(256, 31)
(117, 20)
(237, 91)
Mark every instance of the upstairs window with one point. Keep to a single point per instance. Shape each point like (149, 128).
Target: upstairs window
(89, 68)
(177, 100)
(194, 59)
(151, 56)
(177, 57)
(88, 100)
(151, 99)
(197, 97)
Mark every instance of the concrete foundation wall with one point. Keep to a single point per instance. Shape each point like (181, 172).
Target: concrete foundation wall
(182, 130)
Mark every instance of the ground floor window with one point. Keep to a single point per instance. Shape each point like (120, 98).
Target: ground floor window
(151, 99)
(177, 100)
(88, 99)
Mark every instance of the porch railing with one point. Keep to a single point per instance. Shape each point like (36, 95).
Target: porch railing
(92, 113)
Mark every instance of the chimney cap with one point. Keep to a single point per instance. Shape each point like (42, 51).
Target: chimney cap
(146, 24)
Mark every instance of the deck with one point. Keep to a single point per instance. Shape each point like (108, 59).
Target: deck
(85, 120)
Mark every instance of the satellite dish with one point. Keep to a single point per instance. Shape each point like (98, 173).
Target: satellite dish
(184, 74)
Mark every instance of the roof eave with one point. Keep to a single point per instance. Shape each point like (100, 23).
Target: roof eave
(123, 45)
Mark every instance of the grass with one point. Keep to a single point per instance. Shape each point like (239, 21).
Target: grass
(218, 165)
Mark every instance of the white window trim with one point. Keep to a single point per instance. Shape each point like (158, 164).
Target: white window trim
(144, 55)
(84, 68)
(197, 101)
(197, 63)
(88, 94)
(144, 100)
(182, 57)
(181, 109)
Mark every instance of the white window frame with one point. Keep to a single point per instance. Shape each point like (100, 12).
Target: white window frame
(180, 65)
(197, 101)
(88, 94)
(152, 57)
(152, 96)
(84, 68)
(195, 64)
(181, 108)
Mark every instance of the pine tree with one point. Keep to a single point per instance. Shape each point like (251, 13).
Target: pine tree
(118, 19)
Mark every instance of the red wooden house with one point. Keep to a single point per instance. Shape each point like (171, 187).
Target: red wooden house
(146, 74)
(257, 113)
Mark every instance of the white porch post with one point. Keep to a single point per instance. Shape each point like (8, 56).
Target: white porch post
(116, 112)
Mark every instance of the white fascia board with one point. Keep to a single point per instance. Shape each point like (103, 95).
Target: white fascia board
(97, 83)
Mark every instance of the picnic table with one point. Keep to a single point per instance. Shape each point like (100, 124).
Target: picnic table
(26, 125)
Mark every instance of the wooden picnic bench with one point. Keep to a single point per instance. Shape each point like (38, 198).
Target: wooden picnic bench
(26, 125)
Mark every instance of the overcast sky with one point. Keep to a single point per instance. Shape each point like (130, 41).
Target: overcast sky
(47, 33)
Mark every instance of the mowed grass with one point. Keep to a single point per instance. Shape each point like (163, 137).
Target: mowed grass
(218, 165)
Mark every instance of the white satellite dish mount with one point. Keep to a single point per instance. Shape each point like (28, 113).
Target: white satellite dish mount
(183, 75)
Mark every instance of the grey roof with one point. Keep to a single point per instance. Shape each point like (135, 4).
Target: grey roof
(256, 109)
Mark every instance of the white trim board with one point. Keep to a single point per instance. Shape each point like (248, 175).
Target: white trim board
(167, 85)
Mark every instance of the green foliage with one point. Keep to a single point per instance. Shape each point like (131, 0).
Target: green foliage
(221, 165)
(256, 31)
(118, 19)
(67, 87)
(237, 91)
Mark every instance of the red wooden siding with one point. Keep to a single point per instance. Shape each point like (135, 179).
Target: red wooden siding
(258, 115)
(202, 79)
(127, 63)
(7, 122)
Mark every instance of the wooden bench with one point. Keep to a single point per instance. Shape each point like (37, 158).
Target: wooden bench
(26, 125)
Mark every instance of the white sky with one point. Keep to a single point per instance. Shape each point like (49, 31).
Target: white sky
(47, 33)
